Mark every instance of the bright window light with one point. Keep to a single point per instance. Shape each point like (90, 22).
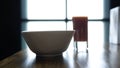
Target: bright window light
(45, 9)
(91, 8)
(56, 9)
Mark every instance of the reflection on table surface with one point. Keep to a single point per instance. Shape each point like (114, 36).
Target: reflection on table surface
(100, 53)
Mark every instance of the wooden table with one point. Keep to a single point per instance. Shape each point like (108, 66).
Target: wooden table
(27, 59)
(108, 57)
(100, 54)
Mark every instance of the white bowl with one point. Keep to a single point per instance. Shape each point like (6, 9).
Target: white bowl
(48, 43)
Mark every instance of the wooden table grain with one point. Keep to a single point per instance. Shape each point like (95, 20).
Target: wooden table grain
(100, 54)
(108, 57)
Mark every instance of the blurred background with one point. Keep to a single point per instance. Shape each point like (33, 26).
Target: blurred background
(21, 15)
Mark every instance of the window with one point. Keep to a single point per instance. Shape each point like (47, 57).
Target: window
(45, 9)
(61, 9)
(91, 8)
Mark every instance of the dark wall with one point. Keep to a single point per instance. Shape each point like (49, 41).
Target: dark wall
(114, 3)
(10, 27)
(109, 4)
(106, 9)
